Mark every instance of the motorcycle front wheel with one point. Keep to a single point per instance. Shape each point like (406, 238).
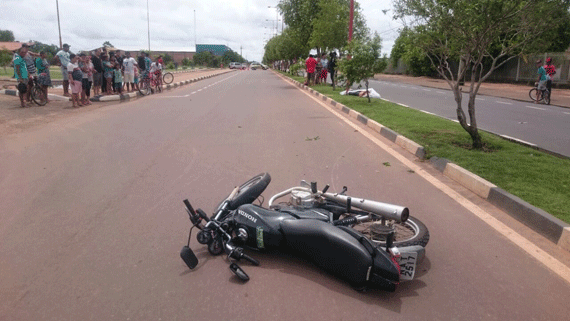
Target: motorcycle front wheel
(248, 191)
(412, 232)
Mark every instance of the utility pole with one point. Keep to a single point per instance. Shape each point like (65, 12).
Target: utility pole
(195, 39)
(58, 25)
(351, 19)
(148, 25)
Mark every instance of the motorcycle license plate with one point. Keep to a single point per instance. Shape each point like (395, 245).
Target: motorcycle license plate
(407, 263)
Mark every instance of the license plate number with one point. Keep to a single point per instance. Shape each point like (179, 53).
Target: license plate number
(407, 263)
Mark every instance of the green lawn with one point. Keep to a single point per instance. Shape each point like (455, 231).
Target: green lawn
(541, 179)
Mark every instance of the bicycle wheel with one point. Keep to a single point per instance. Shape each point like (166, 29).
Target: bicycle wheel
(37, 95)
(532, 94)
(168, 78)
(144, 87)
(411, 232)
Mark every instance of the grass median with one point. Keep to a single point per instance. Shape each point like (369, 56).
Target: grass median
(539, 178)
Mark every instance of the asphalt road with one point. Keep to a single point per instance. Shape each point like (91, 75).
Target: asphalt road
(92, 220)
(542, 125)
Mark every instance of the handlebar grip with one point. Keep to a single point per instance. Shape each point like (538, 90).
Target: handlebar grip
(189, 207)
(203, 215)
(250, 259)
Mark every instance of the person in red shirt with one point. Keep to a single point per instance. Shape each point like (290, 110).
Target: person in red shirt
(310, 63)
(550, 71)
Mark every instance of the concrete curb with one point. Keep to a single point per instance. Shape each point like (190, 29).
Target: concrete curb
(538, 220)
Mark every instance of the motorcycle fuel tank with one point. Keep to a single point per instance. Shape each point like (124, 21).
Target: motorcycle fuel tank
(261, 226)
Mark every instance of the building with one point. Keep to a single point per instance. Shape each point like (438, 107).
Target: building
(216, 50)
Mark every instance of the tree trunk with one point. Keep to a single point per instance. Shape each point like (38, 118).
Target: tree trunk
(367, 93)
(470, 128)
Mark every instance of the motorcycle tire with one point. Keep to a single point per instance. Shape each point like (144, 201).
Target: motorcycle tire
(412, 232)
(248, 191)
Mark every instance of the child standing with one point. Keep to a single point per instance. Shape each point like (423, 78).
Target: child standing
(118, 79)
(75, 76)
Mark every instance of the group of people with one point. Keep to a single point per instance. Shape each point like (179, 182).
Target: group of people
(107, 73)
(545, 75)
(318, 69)
(30, 67)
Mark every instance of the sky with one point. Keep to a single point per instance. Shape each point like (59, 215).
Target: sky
(242, 25)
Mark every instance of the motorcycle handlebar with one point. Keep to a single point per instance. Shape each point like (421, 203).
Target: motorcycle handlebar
(250, 259)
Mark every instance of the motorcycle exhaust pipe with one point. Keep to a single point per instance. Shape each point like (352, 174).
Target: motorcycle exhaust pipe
(393, 212)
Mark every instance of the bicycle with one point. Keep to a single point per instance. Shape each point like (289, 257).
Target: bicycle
(155, 81)
(144, 84)
(544, 97)
(168, 78)
(37, 93)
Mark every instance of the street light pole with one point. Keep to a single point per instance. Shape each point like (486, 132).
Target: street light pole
(58, 25)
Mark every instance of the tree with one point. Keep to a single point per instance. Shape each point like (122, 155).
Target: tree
(5, 58)
(6, 35)
(413, 56)
(364, 63)
(330, 26)
(108, 44)
(474, 32)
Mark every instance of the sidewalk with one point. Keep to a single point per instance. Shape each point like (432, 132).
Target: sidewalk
(559, 97)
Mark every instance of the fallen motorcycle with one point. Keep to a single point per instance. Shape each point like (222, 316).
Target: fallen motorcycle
(367, 243)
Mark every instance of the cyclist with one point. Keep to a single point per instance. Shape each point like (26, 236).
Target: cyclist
(542, 77)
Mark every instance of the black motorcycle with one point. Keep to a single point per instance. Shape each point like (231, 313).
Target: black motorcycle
(367, 243)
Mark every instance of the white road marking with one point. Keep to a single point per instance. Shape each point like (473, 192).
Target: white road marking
(483, 99)
(530, 248)
(503, 102)
(427, 112)
(567, 113)
(425, 89)
(403, 105)
(535, 107)
(440, 92)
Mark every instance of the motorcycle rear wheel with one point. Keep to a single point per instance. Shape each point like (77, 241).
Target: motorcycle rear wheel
(412, 232)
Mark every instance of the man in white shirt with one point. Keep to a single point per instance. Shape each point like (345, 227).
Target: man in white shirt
(62, 57)
(129, 64)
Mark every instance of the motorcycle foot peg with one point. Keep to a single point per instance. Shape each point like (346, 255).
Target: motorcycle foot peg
(189, 257)
(239, 272)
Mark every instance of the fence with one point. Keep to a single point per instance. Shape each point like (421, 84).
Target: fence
(520, 69)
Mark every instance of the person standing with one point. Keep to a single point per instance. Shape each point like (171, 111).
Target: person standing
(324, 71)
(107, 74)
(118, 79)
(97, 72)
(21, 72)
(550, 71)
(310, 64)
(63, 58)
(32, 72)
(331, 67)
(44, 77)
(542, 77)
(75, 76)
(129, 65)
